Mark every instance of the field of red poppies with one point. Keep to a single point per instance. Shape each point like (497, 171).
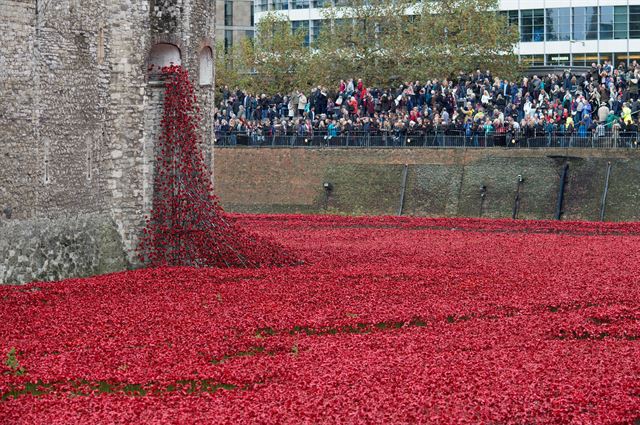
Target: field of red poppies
(389, 320)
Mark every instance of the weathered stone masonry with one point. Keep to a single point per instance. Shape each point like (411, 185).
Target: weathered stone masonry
(79, 114)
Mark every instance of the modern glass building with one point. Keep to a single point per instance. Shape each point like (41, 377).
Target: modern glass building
(559, 33)
(234, 20)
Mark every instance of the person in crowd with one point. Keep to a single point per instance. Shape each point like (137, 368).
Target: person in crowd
(478, 107)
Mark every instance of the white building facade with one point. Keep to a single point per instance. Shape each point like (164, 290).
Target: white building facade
(552, 32)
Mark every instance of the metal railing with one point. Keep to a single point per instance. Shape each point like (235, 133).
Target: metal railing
(434, 139)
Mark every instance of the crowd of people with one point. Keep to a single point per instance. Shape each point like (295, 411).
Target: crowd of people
(600, 102)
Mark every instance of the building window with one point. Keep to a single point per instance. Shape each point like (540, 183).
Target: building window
(262, 5)
(281, 4)
(532, 60)
(559, 60)
(532, 25)
(620, 23)
(316, 27)
(634, 21)
(628, 58)
(585, 59)
(301, 26)
(558, 24)
(300, 4)
(585, 23)
(513, 18)
(606, 57)
(606, 23)
(228, 13)
(228, 40)
(613, 22)
(319, 3)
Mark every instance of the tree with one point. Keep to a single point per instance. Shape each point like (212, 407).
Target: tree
(231, 67)
(383, 42)
(363, 40)
(464, 35)
(389, 42)
(277, 56)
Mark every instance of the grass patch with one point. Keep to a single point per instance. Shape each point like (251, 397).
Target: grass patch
(83, 388)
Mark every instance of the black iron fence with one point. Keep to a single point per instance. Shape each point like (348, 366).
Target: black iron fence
(597, 139)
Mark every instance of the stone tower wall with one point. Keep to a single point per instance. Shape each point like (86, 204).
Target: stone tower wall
(79, 115)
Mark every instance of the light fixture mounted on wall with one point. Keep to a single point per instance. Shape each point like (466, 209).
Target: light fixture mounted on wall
(328, 187)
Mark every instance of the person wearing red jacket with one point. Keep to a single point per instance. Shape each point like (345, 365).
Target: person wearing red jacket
(343, 86)
(369, 105)
(352, 106)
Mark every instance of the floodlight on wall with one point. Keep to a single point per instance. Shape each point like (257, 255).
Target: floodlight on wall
(328, 187)
(483, 194)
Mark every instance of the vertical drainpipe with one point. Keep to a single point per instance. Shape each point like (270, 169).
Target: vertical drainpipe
(563, 181)
(403, 187)
(516, 201)
(603, 202)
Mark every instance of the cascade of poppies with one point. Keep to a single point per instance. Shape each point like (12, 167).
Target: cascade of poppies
(187, 226)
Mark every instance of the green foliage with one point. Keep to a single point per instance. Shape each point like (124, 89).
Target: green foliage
(367, 40)
(382, 42)
(13, 364)
(273, 61)
(231, 69)
(464, 35)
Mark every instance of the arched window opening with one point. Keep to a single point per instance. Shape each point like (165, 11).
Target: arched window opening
(162, 54)
(206, 66)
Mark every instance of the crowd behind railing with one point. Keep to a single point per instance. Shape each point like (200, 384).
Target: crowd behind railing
(598, 108)
(434, 139)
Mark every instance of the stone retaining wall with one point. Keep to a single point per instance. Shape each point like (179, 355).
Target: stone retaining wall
(54, 249)
(440, 182)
